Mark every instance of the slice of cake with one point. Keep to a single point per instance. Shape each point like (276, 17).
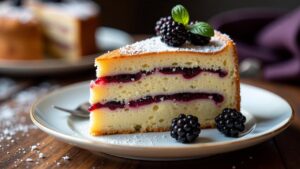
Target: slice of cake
(69, 27)
(143, 86)
(20, 34)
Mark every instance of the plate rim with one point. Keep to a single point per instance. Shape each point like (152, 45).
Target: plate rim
(99, 144)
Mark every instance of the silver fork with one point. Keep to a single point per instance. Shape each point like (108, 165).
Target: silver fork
(81, 111)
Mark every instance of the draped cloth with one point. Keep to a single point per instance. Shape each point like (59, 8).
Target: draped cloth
(270, 36)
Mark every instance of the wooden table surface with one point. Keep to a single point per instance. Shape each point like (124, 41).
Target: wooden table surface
(22, 145)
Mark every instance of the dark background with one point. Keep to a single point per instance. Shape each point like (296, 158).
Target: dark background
(139, 16)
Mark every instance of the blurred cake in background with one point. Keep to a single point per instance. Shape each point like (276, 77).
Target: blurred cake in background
(20, 33)
(69, 26)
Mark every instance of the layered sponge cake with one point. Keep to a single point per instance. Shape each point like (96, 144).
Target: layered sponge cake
(69, 27)
(143, 86)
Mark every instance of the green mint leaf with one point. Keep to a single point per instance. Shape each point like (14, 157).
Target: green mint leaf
(202, 28)
(180, 14)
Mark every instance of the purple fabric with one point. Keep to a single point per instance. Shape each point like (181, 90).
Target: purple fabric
(271, 36)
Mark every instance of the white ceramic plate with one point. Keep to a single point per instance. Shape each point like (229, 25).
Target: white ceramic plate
(267, 115)
(106, 38)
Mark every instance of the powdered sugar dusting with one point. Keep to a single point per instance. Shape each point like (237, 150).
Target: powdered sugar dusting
(81, 9)
(14, 114)
(8, 11)
(6, 83)
(154, 45)
(16, 125)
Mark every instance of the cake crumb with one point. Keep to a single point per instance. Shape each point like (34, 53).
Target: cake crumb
(29, 160)
(66, 158)
(33, 147)
(41, 155)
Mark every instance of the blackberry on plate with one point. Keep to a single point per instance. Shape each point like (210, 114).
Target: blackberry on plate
(185, 128)
(230, 122)
(171, 32)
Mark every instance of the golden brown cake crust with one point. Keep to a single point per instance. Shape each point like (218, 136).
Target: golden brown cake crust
(87, 42)
(14, 39)
(237, 79)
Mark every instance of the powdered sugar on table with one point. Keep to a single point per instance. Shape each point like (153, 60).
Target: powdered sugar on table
(15, 123)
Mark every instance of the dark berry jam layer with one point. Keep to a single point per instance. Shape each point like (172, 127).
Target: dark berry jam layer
(187, 73)
(179, 97)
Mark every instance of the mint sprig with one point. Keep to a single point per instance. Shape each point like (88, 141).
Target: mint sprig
(201, 28)
(180, 14)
